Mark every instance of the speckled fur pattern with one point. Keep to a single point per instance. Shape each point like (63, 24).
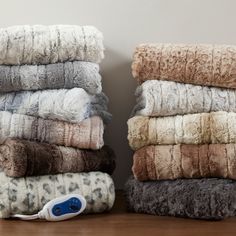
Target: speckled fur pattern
(28, 195)
(71, 105)
(40, 44)
(201, 64)
(66, 75)
(206, 199)
(87, 134)
(200, 128)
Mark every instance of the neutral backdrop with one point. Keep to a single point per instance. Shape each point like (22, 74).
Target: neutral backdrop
(126, 23)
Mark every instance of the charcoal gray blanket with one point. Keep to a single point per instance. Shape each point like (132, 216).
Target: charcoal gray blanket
(66, 75)
(208, 199)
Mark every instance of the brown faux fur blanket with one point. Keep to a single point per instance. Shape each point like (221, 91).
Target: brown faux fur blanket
(20, 158)
(185, 161)
(211, 65)
(201, 128)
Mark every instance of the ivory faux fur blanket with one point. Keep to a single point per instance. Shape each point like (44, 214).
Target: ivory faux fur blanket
(73, 105)
(28, 195)
(208, 199)
(185, 161)
(66, 75)
(166, 98)
(214, 127)
(211, 65)
(40, 44)
(19, 158)
(87, 134)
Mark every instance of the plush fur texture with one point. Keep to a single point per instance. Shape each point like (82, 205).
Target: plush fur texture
(19, 158)
(185, 161)
(166, 98)
(66, 75)
(208, 199)
(28, 195)
(211, 65)
(87, 134)
(40, 44)
(214, 127)
(73, 105)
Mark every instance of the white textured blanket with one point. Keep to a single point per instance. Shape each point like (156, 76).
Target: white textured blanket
(73, 105)
(28, 195)
(202, 128)
(40, 44)
(166, 98)
(66, 75)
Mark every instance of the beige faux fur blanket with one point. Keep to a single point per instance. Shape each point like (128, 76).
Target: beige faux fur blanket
(203, 64)
(87, 134)
(213, 127)
(157, 162)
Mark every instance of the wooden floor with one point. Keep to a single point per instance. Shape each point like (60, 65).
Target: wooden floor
(119, 222)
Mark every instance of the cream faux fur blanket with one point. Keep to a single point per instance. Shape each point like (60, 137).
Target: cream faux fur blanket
(157, 162)
(28, 195)
(87, 134)
(73, 105)
(202, 64)
(66, 75)
(166, 98)
(40, 44)
(214, 127)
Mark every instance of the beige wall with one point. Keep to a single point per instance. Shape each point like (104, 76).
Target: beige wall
(125, 23)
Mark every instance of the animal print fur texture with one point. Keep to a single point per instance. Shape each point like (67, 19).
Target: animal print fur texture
(28, 195)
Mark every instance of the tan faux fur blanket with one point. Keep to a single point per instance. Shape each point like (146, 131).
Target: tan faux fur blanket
(19, 158)
(87, 134)
(203, 64)
(185, 161)
(214, 127)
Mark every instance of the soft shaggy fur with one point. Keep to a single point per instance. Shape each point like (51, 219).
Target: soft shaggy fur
(211, 65)
(40, 44)
(166, 98)
(214, 127)
(185, 161)
(66, 75)
(28, 195)
(208, 199)
(73, 105)
(87, 134)
(19, 158)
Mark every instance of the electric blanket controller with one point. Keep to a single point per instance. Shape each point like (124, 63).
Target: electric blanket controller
(61, 208)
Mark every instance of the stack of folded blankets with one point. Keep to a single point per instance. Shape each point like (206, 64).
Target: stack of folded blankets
(183, 131)
(52, 116)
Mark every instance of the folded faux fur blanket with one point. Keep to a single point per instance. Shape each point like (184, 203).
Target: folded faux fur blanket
(87, 134)
(166, 98)
(28, 195)
(40, 44)
(208, 199)
(185, 161)
(214, 127)
(19, 158)
(73, 105)
(66, 75)
(211, 65)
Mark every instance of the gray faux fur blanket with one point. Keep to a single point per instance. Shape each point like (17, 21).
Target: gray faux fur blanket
(208, 199)
(87, 134)
(66, 75)
(40, 44)
(167, 98)
(73, 105)
(28, 195)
